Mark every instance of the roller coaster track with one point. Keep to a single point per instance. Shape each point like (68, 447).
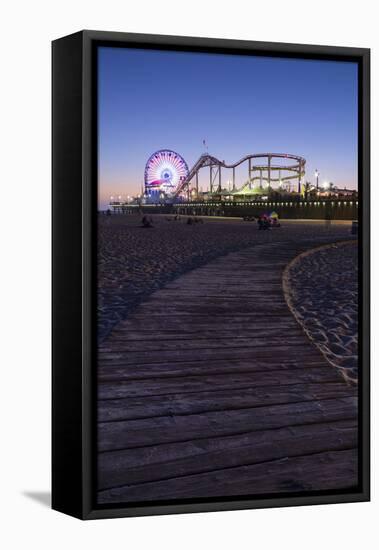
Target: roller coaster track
(211, 161)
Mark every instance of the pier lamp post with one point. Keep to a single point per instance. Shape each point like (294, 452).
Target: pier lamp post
(316, 175)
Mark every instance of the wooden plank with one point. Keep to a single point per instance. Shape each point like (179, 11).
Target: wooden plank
(166, 429)
(250, 319)
(192, 384)
(199, 324)
(127, 346)
(240, 308)
(215, 333)
(190, 403)
(207, 292)
(116, 371)
(322, 471)
(274, 298)
(303, 350)
(169, 461)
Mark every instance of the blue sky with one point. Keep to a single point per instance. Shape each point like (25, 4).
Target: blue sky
(151, 100)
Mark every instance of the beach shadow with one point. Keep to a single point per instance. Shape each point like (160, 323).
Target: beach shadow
(42, 497)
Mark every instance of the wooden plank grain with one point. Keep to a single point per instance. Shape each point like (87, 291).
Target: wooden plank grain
(330, 470)
(117, 371)
(301, 349)
(169, 461)
(191, 384)
(126, 346)
(164, 429)
(232, 398)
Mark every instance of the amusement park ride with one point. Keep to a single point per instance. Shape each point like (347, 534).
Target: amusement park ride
(167, 175)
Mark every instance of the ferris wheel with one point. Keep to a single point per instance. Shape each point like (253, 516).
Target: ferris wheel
(164, 171)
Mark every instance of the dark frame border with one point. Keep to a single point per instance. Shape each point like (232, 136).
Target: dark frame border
(74, 337)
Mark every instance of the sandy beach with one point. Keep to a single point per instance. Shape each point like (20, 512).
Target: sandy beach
(133, 261)
(322, 290)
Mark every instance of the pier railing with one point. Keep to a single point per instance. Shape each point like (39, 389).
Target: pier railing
(321, 209)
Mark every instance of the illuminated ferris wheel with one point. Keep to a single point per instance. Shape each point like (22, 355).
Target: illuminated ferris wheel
(164, 171)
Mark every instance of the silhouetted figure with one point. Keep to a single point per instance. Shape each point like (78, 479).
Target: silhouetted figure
(146, 222)
(328, 218)
(263, 223)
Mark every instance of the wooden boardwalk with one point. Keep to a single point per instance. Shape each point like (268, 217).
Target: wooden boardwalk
(211, 388)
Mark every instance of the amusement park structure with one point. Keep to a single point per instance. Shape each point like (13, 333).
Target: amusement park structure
(165, 171)
(167, 175)
(266, 171)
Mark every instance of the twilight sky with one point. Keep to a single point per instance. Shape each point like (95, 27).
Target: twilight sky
(151, 100)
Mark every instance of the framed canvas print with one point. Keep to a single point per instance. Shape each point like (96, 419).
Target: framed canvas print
(210, 274)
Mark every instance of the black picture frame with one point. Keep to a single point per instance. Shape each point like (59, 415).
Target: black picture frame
(74, 268)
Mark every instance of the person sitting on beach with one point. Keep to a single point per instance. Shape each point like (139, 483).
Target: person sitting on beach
(274, 219)
(263, 222)
(146, 222)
